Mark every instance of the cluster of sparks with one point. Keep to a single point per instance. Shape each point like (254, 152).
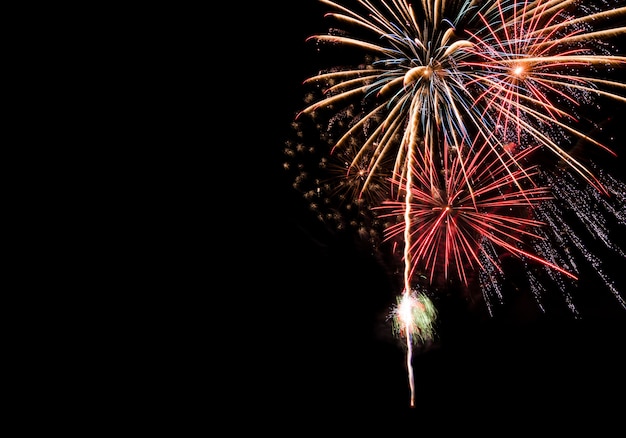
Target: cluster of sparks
(454, 137)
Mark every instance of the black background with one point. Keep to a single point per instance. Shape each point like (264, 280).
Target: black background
(323, 346)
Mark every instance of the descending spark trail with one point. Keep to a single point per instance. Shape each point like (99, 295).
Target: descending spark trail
(595, 218)
(446, 135)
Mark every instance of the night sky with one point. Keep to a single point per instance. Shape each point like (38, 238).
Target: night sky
(326, 345)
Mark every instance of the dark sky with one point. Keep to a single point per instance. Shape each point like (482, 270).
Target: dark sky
(326, 345)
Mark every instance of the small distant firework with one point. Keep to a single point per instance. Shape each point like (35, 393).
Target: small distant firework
(413, 319)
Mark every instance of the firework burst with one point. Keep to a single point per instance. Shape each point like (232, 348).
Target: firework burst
(454, 135)
(445, 122)
(449, 220)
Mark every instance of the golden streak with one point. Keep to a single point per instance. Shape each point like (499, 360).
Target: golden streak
(416, 73)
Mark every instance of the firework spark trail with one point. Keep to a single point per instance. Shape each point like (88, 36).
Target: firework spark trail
(581, 201)
(490, 276)
(562, 243)
(597, 264)
(617, 190)
(586, 205)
